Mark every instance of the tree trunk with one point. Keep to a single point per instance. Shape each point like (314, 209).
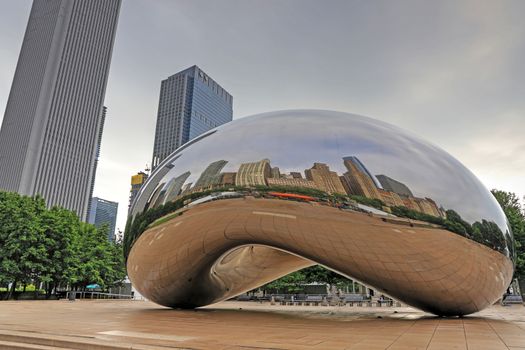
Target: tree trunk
(12, 290)
(37, 287)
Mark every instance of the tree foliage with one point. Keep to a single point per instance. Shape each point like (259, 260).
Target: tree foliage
(52, 247)
(515, 213)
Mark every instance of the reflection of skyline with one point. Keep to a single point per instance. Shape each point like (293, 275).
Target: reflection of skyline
(292, 139)
(356, 181)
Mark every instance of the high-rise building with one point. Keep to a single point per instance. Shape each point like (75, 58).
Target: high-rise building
(137, 181)
(275, 173)
(358, 180)
(228, 178)
(190, 104)
(54, 115)
(97, 154)
(392, 185)
(103, 212)
(292, 182)
(253, 174)
(211, 175)
(390, 198)
(325, 180)
(175, 186)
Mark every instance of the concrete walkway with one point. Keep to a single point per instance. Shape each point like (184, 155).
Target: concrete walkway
(114, 324)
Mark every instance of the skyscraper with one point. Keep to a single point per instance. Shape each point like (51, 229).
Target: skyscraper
(211, 175)
(103, 212)
(190, 104)
(392, 185)
(326, 180)
(358, 179)
(253, 174)
(54, 114)
(137, 181)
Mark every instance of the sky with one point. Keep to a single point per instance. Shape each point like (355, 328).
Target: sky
(449, 71)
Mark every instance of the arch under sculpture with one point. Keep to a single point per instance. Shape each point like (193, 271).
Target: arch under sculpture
(260, 197)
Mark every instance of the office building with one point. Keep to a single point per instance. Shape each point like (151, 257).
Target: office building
(54, 115)
(137, 181)
(292, 182)
(228, 178)
(190, 104)
(325, 180)
(358, 180)
(211, 175)
(253, 174)
(103, 212)
(392, 185)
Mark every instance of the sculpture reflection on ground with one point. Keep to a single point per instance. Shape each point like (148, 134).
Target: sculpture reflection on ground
(320, 159)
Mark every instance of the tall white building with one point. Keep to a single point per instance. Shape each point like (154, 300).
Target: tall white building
(54, 115)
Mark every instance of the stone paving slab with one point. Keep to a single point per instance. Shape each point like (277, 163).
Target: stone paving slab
(249, 325)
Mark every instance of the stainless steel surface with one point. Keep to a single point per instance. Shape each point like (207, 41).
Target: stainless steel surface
(262, 196)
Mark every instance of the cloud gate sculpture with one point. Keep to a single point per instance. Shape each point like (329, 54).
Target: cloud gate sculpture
(263, 196)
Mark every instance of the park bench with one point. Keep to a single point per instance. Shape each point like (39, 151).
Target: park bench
(385, 302)
(313, 300)
(352, 299)
(512, 299)
(244, 297)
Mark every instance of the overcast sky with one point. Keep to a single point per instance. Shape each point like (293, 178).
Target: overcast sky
(450, 71)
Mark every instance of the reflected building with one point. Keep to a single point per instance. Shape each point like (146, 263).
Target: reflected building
(253, 174)
(174, 187)
(391, 199)
(211, 175)
(324, 179)
(228, 178)
(276, 173)
(292, 182)
(395, 186)
(357, 179)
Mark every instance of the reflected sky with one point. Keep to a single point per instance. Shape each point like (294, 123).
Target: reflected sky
(294, 140)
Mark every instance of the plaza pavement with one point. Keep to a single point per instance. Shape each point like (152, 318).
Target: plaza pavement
(120, 324)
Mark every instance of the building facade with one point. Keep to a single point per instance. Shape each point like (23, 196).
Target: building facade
(103, 212)
(54, 115)
(137, 181)
(292, 182)
(392, 185)
(253, 174)
(211, 175)
(325, 180)
(190, 104)
(358, 180)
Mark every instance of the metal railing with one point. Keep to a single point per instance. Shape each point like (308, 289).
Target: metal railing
(72, 295)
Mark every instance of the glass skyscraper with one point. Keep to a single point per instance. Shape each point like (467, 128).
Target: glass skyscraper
(104, 212)
(190, 104)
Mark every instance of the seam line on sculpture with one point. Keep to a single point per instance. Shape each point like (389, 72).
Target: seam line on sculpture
(274, 214)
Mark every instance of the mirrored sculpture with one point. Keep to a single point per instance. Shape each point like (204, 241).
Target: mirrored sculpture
(263, 196)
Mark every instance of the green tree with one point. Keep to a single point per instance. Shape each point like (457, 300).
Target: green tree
(22, 257)
(291, 283)
(515, 213)
(100, 261)
(60, 227)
